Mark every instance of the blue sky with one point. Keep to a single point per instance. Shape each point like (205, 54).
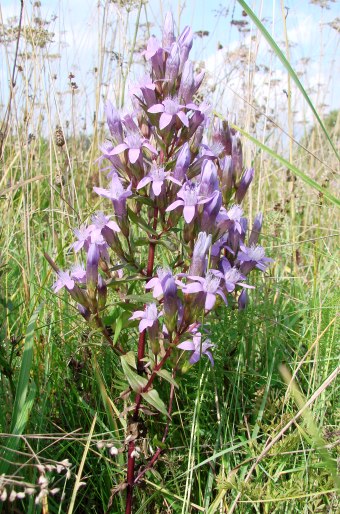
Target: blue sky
(76, 37)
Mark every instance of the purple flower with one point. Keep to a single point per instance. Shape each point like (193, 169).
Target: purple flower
(133, 143)
(232, 276)
(197, 348)
(209, 180)
(234, 215)
(64, 280)
(148, 317)
(227, 177)
(146, 88)
(117, 194)
(156, 283)
(189, 200)
(157, 176)
(169, 109)
(100, 224)
(210, 285)
(252, 257)
(83, 234)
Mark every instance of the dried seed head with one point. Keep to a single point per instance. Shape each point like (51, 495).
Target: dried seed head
(59, 136)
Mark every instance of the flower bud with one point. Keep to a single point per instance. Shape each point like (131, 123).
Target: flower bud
(243, 300)
(185, 43)
(92, 270)
(227, 181)
(210, 212)
(201, 248)
(172, 65)
(236, 154)
(170, 305)
(114, 122)
(244, 184)
(84, 312)
(102, 293)
(168, 31)
(187, 87)
(209, 180)
(182, 162)
(255, 231)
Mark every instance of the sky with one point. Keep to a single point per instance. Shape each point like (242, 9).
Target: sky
(75, 24)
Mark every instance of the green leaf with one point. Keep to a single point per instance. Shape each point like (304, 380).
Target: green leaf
(130, 358)
(288, 67)
(140, 222)
(137, 383)
(167, 376)
(140, 298)
(312, 183)
(25, 395)
(122, 319)
(153, 398)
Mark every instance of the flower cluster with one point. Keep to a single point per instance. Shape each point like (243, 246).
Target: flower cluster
(176, 228)
(162, 166)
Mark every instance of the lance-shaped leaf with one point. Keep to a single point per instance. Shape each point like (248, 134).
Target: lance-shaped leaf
(137, 383)
(167, 376)
(153, 398)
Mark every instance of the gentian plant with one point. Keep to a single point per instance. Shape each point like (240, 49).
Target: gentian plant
(175, 233)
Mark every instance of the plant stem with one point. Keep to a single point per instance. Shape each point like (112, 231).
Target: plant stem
(140, 369)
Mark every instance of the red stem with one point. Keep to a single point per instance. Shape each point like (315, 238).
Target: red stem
(130, 478)
(140, 368)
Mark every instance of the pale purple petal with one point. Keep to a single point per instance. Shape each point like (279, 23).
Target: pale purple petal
(113, 226)
(151, 148)
(138, 315)
(189, 212)
(222, 295)
(208, 354)
(210, 301)
(174, 205)
(134, 153)
(194, 287)
(165, 120)
(102, 192)
(183, 117)
(78, 245)
(155, 109)
(119, 149)
(145, 181)
(174, 180)
(157, 187)
(145, 323)
(195, 357)
(186, 345)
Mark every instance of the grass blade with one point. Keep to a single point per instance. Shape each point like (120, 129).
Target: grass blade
(288, 67)
(312, 183)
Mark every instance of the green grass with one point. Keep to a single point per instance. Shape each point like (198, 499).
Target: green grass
(56, 377)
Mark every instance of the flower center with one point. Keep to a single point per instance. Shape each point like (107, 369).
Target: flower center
(171, 106)
(256, 253)
(158, 174)
(133, 141)
(235, 213)
(116, 187)
(211, 283)
(232, 275)
(151, 312)
(190, 194)
(100, 220)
